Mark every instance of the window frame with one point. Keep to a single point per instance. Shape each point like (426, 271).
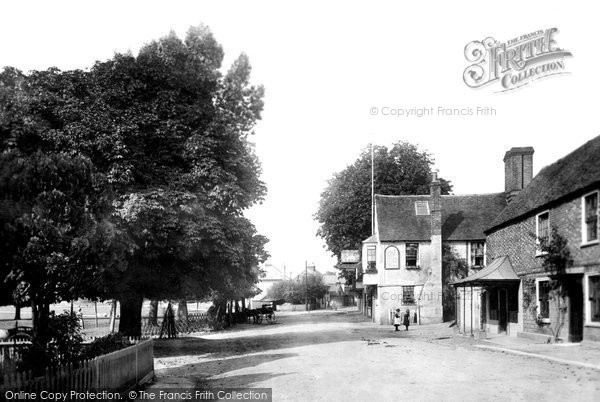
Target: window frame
(588, 306)
(471, 264)
(385, 259)
(584, 239)
(538, 251)
(405, 300)
(537, 296)
(418, 259)
(372, 262)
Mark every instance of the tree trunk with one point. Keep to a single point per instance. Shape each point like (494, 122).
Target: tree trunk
(153, 313)
(113, 316)
(40, 314)
(130, 323)
(182, 311)
(17, 312)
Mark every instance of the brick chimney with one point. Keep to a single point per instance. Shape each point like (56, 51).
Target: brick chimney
(435, 191)
(431, 298)
(518, 170)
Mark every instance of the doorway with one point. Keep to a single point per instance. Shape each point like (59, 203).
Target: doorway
(502, 311)
(575, 293)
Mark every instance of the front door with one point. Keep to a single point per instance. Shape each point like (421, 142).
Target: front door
(575, 294)
(502, 310)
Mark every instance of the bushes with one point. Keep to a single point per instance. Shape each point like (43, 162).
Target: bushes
(104, 345)
(61, 344)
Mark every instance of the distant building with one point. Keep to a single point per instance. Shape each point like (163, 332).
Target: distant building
(272, 275)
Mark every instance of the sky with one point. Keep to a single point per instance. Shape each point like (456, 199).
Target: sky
(334, 72)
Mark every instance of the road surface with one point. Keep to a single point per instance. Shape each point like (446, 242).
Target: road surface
(341, 356)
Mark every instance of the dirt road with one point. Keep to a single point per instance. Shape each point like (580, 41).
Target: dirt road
(341, 356)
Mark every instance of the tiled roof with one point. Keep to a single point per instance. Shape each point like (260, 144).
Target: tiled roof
(576, 172)
(499, 270)
(371, 239)
(464, 217)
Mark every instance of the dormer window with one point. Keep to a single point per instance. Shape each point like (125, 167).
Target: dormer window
(422, 208)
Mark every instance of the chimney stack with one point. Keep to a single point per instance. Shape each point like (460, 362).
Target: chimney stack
(431, 295)
(518, 170)
(435, 191)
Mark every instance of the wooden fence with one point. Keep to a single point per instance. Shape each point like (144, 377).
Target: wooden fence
(116, 371)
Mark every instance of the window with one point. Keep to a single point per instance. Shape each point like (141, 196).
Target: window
(421, 208)
(543, 296)
(408, 295)
(412, 255)
(594, 298)
(543, 225)
(392, 258)
(371, 259)
(590, 218)
(477, 253)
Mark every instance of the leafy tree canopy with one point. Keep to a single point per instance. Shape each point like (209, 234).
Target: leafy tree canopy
(344, 212)
(164, 137)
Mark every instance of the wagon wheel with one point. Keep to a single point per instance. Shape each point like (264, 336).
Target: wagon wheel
(271, 318)
(259, 318)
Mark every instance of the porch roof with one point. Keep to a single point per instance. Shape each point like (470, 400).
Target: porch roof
(500, 270)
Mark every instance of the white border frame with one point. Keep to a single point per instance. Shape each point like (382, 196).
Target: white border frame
(469, 254)
(584, 241)
(385, 259)
(586, 300)
(537, 294)
(539, 252)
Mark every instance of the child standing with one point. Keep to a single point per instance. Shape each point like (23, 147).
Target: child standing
(406, 321)
(397, 319)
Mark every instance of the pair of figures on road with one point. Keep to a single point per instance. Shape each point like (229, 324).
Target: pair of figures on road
(402, 319)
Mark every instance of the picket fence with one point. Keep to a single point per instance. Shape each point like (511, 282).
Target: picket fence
(115, 371)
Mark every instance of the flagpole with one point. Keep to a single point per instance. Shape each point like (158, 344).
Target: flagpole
(372, 193)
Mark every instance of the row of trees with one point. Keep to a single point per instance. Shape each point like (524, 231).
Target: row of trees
(129, 181)
(297, 291)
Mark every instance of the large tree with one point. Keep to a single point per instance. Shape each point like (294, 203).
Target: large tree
(168, 134)
(344, 210)
(55, 235)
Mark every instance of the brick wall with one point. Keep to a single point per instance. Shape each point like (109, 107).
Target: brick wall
(517, 242)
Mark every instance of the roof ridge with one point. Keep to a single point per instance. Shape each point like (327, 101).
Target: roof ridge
(402, 195)
(472, 194)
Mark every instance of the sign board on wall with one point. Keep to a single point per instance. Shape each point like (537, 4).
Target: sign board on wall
(350, 256)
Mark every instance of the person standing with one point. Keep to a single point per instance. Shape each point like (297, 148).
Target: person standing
(397, 319)
(406, 321)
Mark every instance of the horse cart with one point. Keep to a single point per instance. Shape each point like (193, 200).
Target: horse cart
(265, 313)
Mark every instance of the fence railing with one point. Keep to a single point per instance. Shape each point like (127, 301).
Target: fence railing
(119, 370)
(195, 322)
